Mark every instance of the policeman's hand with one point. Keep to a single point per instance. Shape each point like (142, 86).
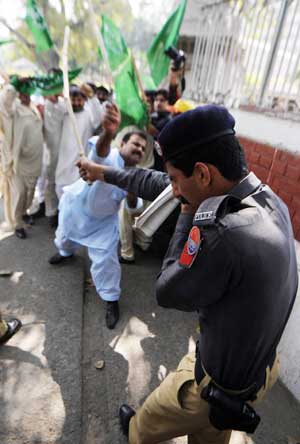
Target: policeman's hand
(188, 209)
(131, 200)
(90, 171)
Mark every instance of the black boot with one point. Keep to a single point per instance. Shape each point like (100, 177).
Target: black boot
(53, 221)
(20, 233)
(13, 326)
(112, 314)
(125, 415)
(58, 259)
(28, 219)
(40, 212)
(122, 260)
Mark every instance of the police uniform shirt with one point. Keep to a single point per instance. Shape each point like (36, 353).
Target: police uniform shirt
(241, 277)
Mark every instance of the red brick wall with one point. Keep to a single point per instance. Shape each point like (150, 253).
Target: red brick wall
(281, 171)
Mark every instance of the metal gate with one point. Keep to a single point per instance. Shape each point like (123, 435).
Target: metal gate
(248, 53)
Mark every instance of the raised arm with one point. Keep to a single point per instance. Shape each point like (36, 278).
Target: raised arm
(110, 125)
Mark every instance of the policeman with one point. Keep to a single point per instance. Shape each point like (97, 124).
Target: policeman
(232, 259)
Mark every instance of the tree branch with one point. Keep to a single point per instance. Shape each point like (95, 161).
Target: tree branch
(25, 42)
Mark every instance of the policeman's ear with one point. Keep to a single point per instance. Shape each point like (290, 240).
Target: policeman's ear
(202, 174)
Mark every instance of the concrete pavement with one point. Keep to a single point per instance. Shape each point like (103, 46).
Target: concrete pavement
(51, 391)
(40, 392)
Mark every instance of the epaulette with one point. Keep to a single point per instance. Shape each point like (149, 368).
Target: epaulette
(212, 209)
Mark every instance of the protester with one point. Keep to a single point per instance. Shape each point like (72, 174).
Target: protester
(233, 232)
(161, 116)
(150, 96)
(88, 214)
(126, 219)
(53, 118)
(102, 94)
(27, 151)
(7, 98)
(88, 112)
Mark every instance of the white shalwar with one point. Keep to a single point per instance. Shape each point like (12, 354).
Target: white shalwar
(87, 121)
(88, 216)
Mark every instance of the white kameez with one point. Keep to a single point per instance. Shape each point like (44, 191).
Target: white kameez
(87, 121)
(88, 215)
(53, 120)
(7, 97)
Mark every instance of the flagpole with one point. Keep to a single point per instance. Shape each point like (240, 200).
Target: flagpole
(66, 91)
(100, 42)
(139, 80)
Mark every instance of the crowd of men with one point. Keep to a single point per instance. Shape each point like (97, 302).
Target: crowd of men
(230, 233)
(38, 157)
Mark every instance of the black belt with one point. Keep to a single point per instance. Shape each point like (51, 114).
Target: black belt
(260, 380)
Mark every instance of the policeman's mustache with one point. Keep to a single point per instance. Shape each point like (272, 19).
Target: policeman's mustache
(183, 200)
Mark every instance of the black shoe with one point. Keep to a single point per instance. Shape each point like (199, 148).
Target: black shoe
(28, 219)
(58, 259)
(20, 233)
(125, 415)
(122, 260)
(40, 212)
(14, 326)
(53, 221)
(112, 314)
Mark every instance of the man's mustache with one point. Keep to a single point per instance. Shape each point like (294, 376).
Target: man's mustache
(183, 200)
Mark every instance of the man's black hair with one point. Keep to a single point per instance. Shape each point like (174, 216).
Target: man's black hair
(93, 86)
(132, 133)
(102, 88)
(75, 91)
(225, 153)
(162, 92)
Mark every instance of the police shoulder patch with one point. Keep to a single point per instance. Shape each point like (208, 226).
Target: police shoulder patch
(191, 248)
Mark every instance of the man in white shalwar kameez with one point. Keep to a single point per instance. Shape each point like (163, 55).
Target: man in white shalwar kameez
(27, 153)
(88, 117)
(88, 214)
(7, 98)
(54, 112)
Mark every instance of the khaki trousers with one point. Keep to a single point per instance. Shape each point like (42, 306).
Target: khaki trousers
(22, 195)
(176, 408)
(51, 199)
(3, 326)
(127, 236)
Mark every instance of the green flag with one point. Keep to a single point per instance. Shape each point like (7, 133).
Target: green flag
(133, 109)
(45, 85)
(38, 27)
(168, 36)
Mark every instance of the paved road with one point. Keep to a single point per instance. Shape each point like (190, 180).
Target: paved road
(51, 391)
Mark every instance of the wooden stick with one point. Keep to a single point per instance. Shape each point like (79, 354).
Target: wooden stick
(67, 90)
(4, 76)
(139, 80)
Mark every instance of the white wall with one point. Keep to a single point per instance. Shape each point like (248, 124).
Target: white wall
(273, 131)
(289, 347)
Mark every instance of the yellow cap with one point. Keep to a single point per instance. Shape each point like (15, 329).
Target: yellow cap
(183, 105)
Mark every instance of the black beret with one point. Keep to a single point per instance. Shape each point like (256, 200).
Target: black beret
(194, 128)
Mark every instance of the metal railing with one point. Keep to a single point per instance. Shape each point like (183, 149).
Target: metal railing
(247, 53)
